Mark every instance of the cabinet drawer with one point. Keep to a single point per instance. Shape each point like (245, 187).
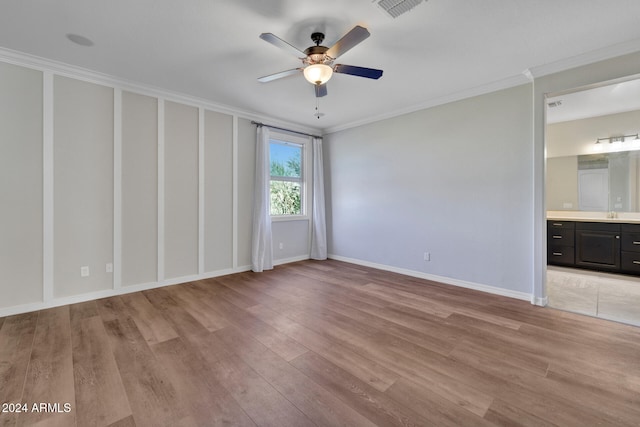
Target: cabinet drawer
(558, 254)
(631, 262)
(598, 226)
(554, 225)
(631, 228)
(631, 242)
(561, 236)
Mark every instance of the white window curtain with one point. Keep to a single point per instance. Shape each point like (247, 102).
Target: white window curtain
(261, 245)
(319, 226)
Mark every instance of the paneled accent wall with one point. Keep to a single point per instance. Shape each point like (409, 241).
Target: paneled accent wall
(218, 191)
(21, 182)
(139, 189)
(107, 189)
(83, 186)
(180, 190)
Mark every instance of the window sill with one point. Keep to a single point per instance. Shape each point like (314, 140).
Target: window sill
(280, 218)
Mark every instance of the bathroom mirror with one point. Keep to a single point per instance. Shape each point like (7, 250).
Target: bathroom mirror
(594, 182)
(593, 149)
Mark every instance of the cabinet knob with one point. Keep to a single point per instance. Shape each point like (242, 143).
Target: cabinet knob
(617, 237)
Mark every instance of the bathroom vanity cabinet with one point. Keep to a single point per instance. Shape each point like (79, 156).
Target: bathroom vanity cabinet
(603, 246)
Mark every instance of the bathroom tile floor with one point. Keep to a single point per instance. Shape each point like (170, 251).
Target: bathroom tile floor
(608, 296)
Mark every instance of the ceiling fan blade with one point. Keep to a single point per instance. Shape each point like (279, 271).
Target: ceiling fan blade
(349, 40)
(278, 42)
(281, 74)
(370, 73)
(321, 90)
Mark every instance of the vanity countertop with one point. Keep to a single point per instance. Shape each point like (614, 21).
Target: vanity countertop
(620, 217)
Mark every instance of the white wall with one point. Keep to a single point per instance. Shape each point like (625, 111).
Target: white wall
(21, 185)
(82, 186)
(156, 184)
(139, 189)
(180, 190)
(218, 191)
(453, 180)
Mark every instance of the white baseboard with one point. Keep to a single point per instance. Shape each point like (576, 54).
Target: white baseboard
(74, 299)
(126, 289)
(289, 260)
(56, 302)
(446, 280)
(542, 302)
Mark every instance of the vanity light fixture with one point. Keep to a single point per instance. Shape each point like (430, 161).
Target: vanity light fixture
(621, 138)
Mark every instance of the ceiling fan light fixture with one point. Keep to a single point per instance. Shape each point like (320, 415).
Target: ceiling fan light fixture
(318, 74)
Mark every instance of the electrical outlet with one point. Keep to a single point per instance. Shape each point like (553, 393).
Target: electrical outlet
(427, 256)
(84, 271)
(281, 246)
(109, 268)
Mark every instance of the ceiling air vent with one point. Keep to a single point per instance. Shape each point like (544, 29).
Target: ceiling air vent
(395, 8)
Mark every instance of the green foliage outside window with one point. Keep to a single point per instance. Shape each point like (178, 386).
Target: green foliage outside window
(285, 198)
(285, 186)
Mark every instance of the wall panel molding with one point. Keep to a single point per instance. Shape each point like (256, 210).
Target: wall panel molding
(47, 167)
(201, 190)
(161, 221)
(117, 189)
(235, 192)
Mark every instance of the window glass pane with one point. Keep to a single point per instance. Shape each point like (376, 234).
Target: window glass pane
(285, 198)
(285, 160)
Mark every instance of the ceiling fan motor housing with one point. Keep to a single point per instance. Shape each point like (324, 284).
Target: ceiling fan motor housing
(317, 55)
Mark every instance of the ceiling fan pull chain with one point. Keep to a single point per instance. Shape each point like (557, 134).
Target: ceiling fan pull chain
(318, 114)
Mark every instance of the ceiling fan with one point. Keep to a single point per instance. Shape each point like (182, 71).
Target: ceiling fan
(318, 60)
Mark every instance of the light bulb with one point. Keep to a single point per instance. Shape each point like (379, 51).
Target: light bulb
(318, 73)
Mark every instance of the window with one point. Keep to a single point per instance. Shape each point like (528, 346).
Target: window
(287, 185)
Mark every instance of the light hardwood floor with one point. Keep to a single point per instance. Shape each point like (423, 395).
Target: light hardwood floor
(317, 343)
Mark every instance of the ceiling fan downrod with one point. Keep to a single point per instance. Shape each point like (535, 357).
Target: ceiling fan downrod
(317, 38)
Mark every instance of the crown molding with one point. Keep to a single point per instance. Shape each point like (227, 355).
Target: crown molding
(62, 69)
(587, 58)
(506, 83)
(527, 76)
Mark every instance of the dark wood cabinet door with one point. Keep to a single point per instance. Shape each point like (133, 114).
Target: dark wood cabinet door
(598, 249)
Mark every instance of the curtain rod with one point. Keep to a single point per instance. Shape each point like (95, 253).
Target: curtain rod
(286, 130)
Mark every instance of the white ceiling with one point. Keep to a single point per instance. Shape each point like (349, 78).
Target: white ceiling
(211, 50)
(612, 98)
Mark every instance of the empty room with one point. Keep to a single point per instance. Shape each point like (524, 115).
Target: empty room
(319, 213)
